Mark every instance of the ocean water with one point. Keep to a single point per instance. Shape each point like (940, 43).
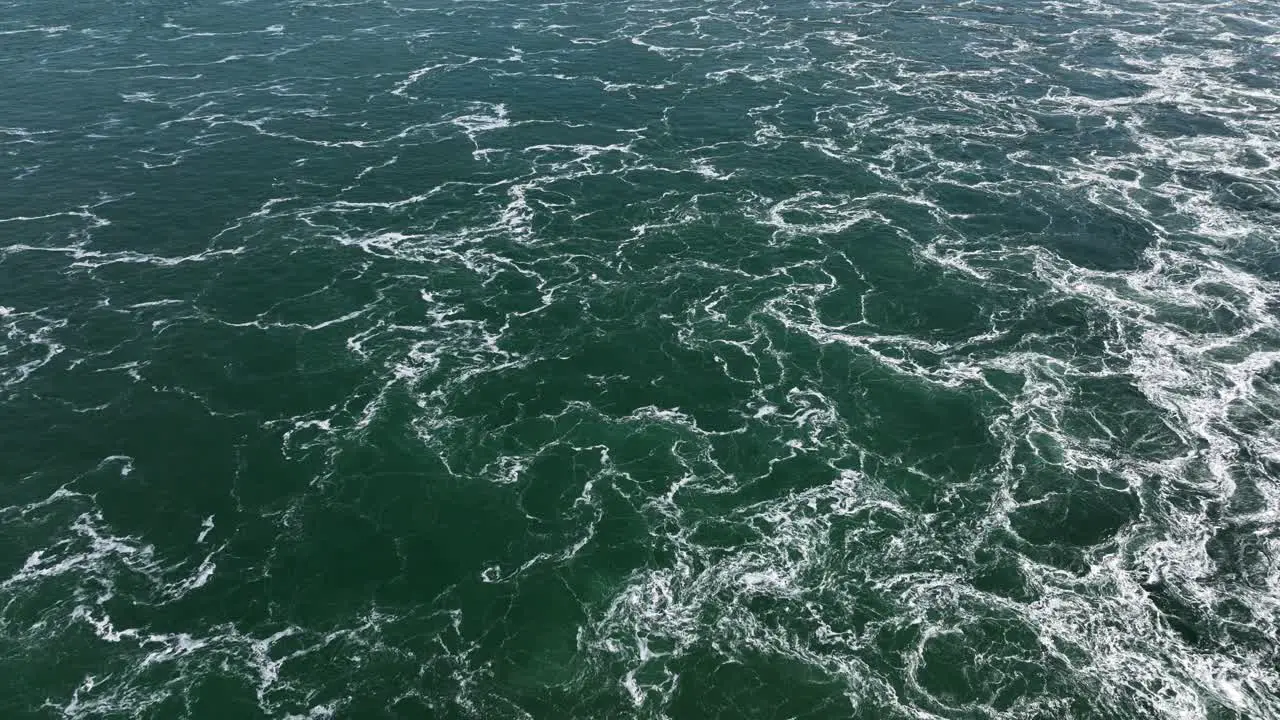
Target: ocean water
(640, 359)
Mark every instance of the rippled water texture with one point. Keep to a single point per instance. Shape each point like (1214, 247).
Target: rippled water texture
(659, 359)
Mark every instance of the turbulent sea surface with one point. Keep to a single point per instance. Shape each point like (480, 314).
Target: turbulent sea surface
(640, 359)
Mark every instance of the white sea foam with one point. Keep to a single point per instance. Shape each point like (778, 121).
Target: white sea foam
(1087, 109)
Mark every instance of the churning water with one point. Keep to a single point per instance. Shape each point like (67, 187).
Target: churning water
(651, 359)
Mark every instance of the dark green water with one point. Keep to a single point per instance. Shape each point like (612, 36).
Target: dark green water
(646, 359)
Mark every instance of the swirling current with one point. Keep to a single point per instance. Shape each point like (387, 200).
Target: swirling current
(640, 359)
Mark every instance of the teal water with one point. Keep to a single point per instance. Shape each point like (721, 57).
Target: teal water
(650, 359)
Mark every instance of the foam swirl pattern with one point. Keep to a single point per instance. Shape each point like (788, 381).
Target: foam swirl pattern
(649, 359)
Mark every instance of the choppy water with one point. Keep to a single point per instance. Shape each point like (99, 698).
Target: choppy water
(658, 359)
